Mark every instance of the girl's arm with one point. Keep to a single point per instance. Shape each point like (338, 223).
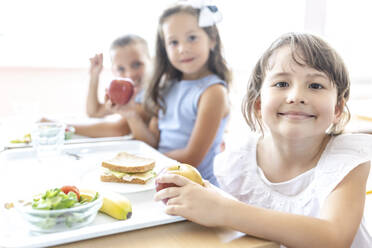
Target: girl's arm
(104, 129)
(134, 121)
(336, 227)
(142, 126)
(212, 108)
(94, 107)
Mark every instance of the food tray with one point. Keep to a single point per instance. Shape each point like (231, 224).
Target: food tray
(23, 175)
(76, 139)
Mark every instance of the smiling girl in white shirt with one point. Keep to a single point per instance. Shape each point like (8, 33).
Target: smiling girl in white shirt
(299, 182)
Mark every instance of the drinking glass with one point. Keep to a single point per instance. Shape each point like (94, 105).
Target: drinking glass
(48, 139)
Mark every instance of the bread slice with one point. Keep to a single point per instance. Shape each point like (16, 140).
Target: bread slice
(129, 163)
(112, 178)
(123, 177)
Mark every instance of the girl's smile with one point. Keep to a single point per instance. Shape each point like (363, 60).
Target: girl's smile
(296, 115)
(187, 60)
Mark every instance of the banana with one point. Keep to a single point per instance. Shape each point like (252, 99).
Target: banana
(116, 206)
(87, 194)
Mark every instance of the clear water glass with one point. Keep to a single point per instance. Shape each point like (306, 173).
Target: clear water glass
(48, 139)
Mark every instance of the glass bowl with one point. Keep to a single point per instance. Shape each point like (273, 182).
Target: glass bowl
(69, 132)
(48, 221)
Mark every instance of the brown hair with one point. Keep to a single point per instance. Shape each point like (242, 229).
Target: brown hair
(307, 50)
(128, 39)
(164, 71)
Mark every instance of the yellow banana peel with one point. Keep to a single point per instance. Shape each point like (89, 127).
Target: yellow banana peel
(116, 206)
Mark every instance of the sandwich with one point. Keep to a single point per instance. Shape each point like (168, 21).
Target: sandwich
(128, 168)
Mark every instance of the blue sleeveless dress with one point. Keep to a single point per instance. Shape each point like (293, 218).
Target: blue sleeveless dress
(177, 123)
(140, 96)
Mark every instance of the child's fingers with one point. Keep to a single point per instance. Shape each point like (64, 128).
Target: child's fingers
(97, 59)
(207, 184)
(173, 201)
(169, 192)
(93, 59)
(173, 178)
(106, 96)
(176, 210)
(109, 104)
(100, 58)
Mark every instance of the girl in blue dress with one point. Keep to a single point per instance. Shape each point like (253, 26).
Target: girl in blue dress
(188, 94)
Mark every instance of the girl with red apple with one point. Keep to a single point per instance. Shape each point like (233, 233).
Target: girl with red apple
(187, 97)
(130, 59)
(298, 181)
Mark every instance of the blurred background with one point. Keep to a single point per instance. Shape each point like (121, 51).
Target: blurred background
(45, 45)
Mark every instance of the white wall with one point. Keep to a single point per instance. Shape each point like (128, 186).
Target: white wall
(64, 34)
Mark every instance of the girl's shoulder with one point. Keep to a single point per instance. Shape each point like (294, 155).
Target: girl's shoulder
(238, 160)
(205, 82)
(243, 146)
(192, 90)
(342, 154)
(352, 139)
(213, 79)
(349, 147)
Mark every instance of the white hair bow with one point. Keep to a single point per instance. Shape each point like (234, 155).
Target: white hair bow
(209, 14)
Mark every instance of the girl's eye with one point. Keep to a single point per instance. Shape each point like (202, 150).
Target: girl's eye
(173, 43)
(121, 69)
(315, 86)
(136, 65)
(282, 84)
(192, 37)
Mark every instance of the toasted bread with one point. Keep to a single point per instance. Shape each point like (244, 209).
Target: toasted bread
(112, 178)
(129, 163)
(121, 177)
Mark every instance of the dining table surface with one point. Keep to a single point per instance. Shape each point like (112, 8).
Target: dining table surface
(181, 234)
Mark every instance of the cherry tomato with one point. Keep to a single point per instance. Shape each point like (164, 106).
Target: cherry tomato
(68, 188)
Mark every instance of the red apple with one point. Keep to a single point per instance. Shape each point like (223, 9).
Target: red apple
(121, 90)
(185, 170)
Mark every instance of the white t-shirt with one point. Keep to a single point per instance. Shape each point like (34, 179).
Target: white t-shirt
(238, 174)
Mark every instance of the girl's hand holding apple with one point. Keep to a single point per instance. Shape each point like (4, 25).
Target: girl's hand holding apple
(190, 200)
(184, 170)
(127, 110)
(120, 98)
